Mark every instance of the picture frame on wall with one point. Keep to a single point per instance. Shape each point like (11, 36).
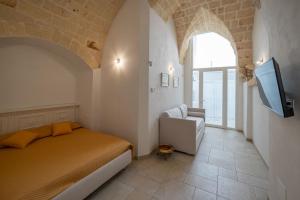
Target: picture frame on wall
(176, 81)
(164, 80)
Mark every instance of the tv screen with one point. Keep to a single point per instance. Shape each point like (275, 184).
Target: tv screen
(270, 88)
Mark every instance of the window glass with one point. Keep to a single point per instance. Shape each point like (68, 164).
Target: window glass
(212, 50)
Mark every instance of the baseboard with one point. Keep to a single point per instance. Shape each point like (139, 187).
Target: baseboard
(260, 155)
(146, 156)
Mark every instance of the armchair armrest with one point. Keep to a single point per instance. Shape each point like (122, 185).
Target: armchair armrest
(180, 133)
(196, 110)
(181, 129)
(180, 126)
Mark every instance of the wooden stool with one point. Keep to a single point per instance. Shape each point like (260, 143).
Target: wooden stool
(165, 151)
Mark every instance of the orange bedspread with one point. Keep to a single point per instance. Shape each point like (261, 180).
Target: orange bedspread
(50, 165)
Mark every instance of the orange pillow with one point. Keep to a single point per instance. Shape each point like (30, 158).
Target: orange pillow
(2, 137)
(19, 139)
(61, 128)
(75, 125)
(43, 131)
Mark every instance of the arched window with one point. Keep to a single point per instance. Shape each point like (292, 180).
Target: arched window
(214, 79)
(212, 50)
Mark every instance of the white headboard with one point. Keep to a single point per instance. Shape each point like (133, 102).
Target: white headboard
(19, 119)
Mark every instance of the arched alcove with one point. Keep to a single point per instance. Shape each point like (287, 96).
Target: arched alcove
(37, 73)
(92, 59)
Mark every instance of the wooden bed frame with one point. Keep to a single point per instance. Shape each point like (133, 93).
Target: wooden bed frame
(25, 118)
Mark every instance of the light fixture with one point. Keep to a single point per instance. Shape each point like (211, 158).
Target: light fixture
(171, 69)
(256, 3)
(118, 62)
(260, 62)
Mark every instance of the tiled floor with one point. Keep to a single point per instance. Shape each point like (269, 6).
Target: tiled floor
(225, 168)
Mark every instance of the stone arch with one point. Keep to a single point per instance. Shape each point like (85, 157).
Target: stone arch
(165, 8)
(205, 21)
(25, 27)
(79, 26)
(236, 15)
(85, 56)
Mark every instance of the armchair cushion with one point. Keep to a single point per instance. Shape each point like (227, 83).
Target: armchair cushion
(184, 110)
(199, 121)
(196, 110)
(173, 113)
(196, 114)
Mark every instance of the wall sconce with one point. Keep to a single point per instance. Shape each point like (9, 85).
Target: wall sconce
(171, 69)
(260, 62)
(256, 3)
(118, 62)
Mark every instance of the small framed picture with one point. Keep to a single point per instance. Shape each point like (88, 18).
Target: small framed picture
(164, 80)
(176, 81)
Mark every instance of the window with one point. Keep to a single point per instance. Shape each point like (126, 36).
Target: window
(214, 79)
(196, 89)
(231, 95)
(212, 50)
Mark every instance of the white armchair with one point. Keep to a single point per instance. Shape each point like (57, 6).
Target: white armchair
(182, 128)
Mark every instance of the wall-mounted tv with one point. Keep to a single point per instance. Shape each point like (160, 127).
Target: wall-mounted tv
(271, 89)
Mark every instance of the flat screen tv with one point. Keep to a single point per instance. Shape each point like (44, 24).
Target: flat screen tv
(271, 89)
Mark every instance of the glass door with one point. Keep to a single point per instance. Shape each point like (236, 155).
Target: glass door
(196, 90)
(214, 89)
(231, 98)
(213, 97)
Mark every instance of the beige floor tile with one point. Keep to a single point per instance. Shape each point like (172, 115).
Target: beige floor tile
(112, 190)
(139, 182)
(202, 183)
(234, 190)
(234, 146)
(203, 195)
(205, 170)
(223, 154)
(144, 163)
(228, 173)
(226, 167)
(261, 194)
(158, 173)
(222, 162)
(176, 174)
(201, 157)
(183, 158)
(174, 190)
(215, 131)
(213, 143)
(204, 150)
(221, 198)
(138, 195)
(242, 156)
(254, 181)
(252, 167)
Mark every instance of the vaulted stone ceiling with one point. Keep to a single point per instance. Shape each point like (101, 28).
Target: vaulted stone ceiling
(78, 25)
(232, 19)
(82, 25)
(165, 8)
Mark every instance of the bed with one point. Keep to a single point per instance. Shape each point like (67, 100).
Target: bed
(69, 166)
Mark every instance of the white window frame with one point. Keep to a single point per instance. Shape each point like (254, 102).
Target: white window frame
(225, 94)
